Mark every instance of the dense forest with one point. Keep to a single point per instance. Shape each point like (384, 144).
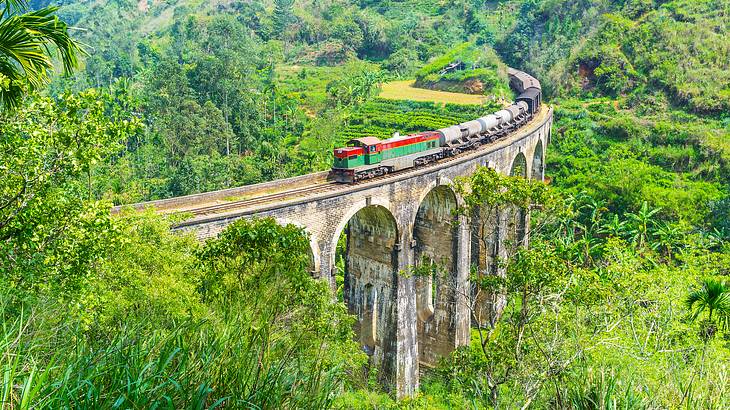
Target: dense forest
(622, 299)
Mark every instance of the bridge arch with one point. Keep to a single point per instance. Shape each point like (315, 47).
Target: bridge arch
(439, 182)
(370, 280)
(538, 162)
(519, 166)
(436, 240)
(345, 219)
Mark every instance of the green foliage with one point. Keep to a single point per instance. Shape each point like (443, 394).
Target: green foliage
(477, 63)
(25, 49)
(50, 236)
(586, 323)
(624, 160)
(238, 322)
(605, 336)
(147, 272)
(282, 15)
(604, 390)
(488, 189)
(713, 297)
(609, 48)
(466, 53)
(356, 87)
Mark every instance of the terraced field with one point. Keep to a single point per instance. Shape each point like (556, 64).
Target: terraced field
(383, 117)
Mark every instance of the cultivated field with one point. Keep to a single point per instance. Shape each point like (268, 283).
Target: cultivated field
(404, 90)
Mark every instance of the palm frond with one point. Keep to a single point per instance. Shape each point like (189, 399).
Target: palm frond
(12, 6)
(696, 302)
(11, 92)
(24, 50)
(713, 296)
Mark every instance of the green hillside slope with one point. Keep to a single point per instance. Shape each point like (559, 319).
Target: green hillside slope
(620, 300)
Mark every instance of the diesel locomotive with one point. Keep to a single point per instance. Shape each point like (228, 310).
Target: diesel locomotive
(369, 157)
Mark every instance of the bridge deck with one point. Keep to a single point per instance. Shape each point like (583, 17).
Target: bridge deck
(256, 198)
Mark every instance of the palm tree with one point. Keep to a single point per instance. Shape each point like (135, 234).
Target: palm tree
(642, 222)
(614, 227)
(668, 236)
(25, 57)
(713, 297)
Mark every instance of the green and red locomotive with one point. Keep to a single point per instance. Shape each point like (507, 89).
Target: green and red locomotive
(371, 157)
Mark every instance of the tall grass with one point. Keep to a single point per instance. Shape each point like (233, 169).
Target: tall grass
(603, 390)
(46, 362)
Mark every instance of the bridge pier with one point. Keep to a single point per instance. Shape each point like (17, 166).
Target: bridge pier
(437, 252)
(407, 368)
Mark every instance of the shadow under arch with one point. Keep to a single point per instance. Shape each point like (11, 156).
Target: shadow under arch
(435, 232)
(369, 283)
(519, 166)
(538, 162)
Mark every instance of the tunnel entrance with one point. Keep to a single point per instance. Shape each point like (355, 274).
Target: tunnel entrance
(436, 249)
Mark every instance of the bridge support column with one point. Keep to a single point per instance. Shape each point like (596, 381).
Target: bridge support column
(463, 288)
(407, 368)
(327, 264)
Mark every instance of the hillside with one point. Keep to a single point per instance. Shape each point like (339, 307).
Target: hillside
(619, 300)
(678, 48)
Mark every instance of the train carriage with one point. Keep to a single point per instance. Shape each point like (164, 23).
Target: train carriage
(369, 157)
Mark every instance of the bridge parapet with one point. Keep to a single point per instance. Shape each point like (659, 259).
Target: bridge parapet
(197, 201)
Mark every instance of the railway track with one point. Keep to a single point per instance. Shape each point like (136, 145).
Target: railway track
(252, 202)
(292, 194)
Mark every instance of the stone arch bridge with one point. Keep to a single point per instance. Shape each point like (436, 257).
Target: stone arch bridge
(404, 322)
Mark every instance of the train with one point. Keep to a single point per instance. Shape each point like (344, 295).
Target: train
(370, 157)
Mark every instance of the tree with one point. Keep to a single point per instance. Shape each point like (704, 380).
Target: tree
(524, 278)
(50, 233)
(25, 57)
(360, 84)
(668, 238)
(642, 223)
(713, 297)
(283, 15)
(614, 227)
(290, 322)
